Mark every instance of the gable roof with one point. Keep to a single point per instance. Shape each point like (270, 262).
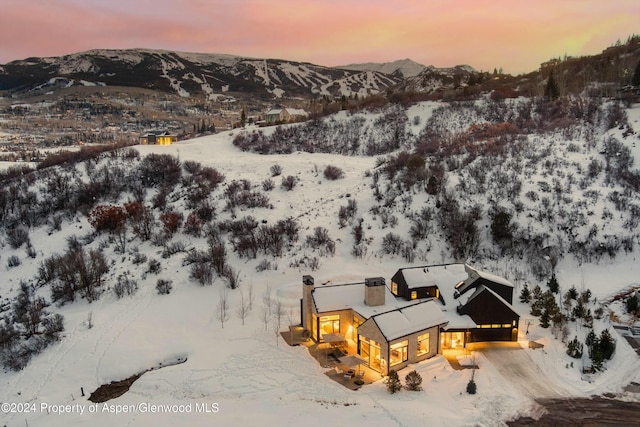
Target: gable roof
(351, 296)
(482, 288)
(408, 320)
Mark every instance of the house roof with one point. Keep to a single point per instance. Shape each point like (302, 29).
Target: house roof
(351, 296)
(482, 288)
(274, 112)
(489, 276)
(408, 320)
(441, 276)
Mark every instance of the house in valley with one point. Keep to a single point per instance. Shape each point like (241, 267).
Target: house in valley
(426, 310)
(284, 115)
(158, 138)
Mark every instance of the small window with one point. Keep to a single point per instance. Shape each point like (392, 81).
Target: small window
(414, 294)
(394, 288)
(460, 283)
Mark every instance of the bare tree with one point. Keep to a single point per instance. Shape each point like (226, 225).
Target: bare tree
(222, 308)
(251, 296)
(265, 311)
(244, 309)
(278, 312)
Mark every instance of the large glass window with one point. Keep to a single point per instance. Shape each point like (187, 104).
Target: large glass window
(370, 351)
(414, 294)
(394, 288)
(423, 344)
(399, 352)
(330, 325)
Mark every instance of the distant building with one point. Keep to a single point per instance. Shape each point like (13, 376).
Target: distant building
(284, 115)
(158, 138)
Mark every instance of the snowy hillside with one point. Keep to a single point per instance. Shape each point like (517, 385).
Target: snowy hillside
(191, 74)
(404, 67)
(422, 185)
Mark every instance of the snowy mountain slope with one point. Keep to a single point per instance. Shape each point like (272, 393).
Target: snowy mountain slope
(241, 366)
(184, 73)
(403, 67)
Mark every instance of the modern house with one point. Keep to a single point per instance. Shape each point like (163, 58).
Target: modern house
(284, 115)
(427, 310)
(158, 138)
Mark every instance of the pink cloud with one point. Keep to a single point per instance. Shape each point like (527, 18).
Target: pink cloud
(513, 34)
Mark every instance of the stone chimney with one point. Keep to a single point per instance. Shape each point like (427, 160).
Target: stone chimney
(307, 303)
(374, 289)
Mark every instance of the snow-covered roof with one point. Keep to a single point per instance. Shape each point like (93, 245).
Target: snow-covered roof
(351, 296)
(441, 276)
(296, 112)
(492, 277)
(404, 321)
(274, 111)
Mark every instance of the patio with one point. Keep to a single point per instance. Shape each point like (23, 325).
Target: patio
(328, 356)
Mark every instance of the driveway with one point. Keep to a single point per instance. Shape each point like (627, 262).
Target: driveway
(515, 365)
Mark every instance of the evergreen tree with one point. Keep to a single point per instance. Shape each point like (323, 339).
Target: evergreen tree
(471, 387)
(607, 344)
(553, 284)
(525, 294)
(393, 382)
(413, 381)
(635, 80)
(575, 348)
(551, 91)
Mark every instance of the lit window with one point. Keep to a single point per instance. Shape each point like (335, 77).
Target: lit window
(423, 344)
(399, 352)
(330, 324)
(394, 288)
(414, 294)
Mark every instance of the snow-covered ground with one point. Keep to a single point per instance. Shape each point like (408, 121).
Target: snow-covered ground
(244, 375)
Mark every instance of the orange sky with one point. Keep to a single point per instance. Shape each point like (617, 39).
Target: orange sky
(515, 35)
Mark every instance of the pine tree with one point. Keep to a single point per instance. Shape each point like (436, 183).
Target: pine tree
(635, 80)
(413, 381)
(393, 382)
(472, 388)
(607, 344)
(551, 91)
(525, 294)
(553, 284)
(575, 348)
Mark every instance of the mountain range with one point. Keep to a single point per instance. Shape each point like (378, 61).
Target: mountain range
(193, 74)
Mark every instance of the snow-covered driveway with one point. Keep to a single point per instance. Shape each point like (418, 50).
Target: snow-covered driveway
(516, 366)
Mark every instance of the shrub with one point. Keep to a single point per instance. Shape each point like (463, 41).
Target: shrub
(289, 182)
(413, 381)
(17, 236)
(471, 387)
(202, 273)
(13, 261)
(333, 172)
(276, 170)
(125, 286)
(393, 382)
(164, 286)
(170, 222)
(154, 266)
(107, 217)
(268, 185)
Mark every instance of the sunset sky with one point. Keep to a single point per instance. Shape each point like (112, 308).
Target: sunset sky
(516, 35)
